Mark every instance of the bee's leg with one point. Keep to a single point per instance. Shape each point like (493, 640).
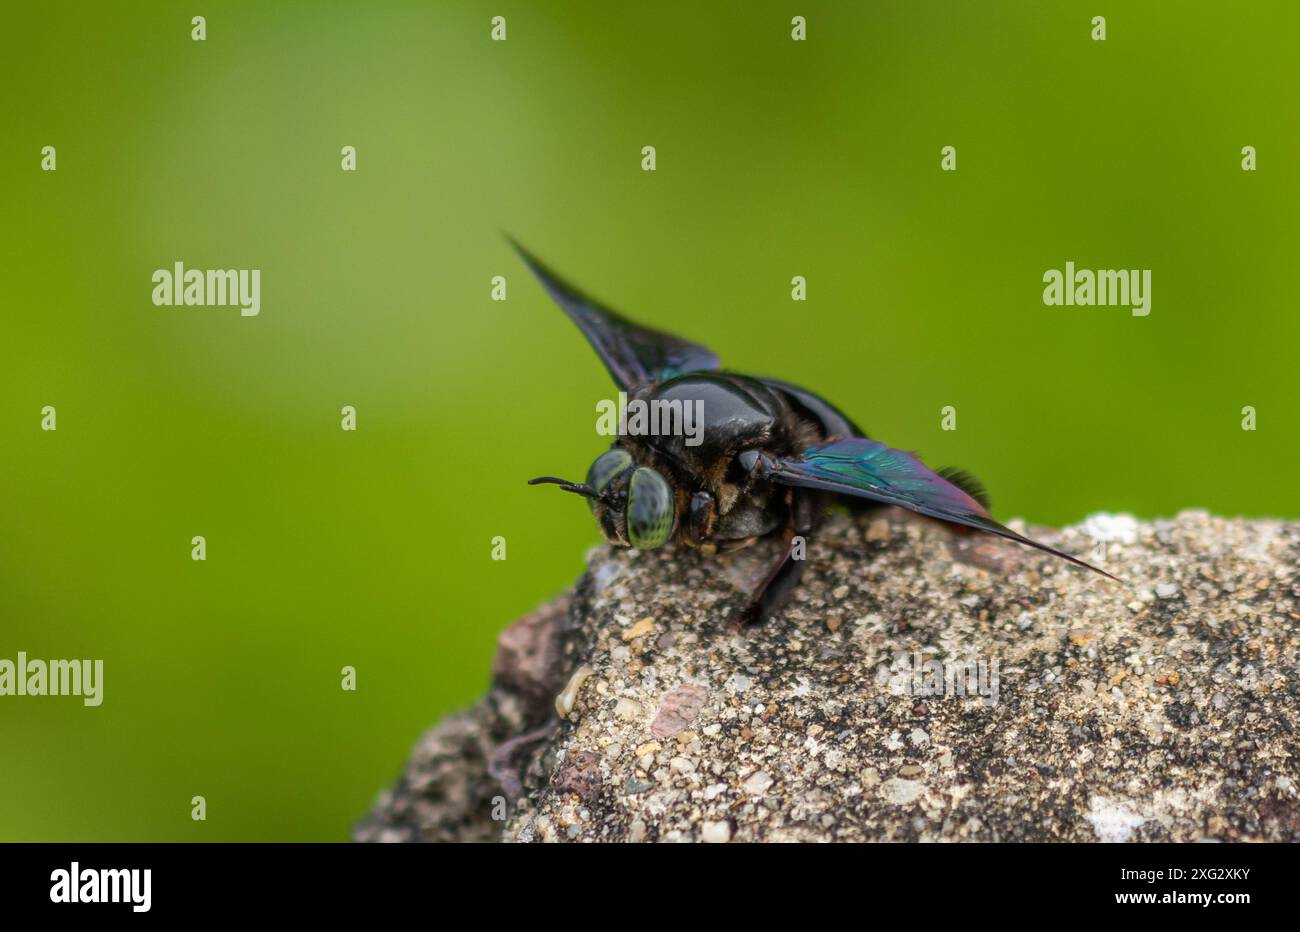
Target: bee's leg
(700, 519)
(774, 591)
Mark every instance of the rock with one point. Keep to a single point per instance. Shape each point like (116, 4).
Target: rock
(970, 689)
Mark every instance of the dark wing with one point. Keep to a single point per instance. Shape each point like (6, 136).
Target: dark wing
(869, 469)
(634, 355)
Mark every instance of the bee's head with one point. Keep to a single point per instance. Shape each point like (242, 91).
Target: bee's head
(634, 505)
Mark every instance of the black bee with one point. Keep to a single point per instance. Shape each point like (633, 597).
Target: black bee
(770, 459)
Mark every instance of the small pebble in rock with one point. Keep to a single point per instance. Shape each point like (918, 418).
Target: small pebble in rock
(642, 627)
(565, 700)
(716, 833)
(677, 710)
(901, 792)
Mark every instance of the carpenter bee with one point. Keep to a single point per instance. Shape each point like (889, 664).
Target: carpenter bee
(770, 460)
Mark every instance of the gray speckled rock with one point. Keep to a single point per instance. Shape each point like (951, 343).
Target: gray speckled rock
(920, 686)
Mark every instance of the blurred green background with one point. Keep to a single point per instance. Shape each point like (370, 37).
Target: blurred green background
(775, 158)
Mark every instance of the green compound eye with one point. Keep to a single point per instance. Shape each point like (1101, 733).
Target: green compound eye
(608, 465)
(649, 509)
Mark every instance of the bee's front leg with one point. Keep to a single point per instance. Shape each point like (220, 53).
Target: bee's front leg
(774, 591)
(701, 516)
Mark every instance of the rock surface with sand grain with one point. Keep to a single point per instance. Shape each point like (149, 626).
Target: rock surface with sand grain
(919, 686)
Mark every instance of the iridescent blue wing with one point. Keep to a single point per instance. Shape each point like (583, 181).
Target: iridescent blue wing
(634, 355)
(869, 469)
